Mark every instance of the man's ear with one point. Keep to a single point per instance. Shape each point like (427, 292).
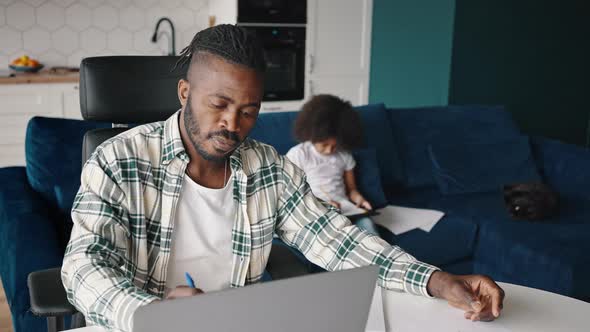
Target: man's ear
(183, 91)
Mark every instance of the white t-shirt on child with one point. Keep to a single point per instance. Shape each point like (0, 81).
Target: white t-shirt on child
(325, 173)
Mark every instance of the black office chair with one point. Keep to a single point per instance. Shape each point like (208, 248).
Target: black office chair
(126, 90)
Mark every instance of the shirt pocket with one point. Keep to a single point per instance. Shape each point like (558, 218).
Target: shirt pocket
(262, 231)
(261, 235)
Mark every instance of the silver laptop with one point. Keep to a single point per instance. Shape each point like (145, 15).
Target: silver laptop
(331, 301)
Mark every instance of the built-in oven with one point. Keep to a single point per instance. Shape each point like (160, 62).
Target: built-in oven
(284, 50)
(272, 11)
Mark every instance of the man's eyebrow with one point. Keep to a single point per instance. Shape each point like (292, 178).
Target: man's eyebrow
(228, 99)
(224, 97)
(254, 104)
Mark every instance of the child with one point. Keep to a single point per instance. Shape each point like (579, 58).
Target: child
(329, 128)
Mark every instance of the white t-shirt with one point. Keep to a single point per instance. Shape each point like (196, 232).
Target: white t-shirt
(325, 173)
(202, 237)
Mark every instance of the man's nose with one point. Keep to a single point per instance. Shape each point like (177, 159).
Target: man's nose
(231, 121)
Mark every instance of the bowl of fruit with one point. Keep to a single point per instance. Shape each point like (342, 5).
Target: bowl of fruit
(25, 64)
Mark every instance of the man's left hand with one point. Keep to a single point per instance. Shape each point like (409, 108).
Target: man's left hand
(479, 296)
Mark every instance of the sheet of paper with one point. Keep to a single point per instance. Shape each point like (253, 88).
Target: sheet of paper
(400, 219)
(428, 227)
(376, 321)
(349, 209)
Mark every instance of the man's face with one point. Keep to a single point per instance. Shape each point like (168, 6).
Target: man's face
(221, 102)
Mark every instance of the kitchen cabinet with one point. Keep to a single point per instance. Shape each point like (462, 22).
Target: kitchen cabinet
(20, 102)
(339, 48)
(70, 94)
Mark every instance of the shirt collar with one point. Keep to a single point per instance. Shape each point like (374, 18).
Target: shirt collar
(172, 145)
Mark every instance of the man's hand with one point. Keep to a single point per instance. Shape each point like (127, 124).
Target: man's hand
(358, 199)
(479, 296)
(183, 291)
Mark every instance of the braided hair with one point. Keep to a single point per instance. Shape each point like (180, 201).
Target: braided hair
(230, 42)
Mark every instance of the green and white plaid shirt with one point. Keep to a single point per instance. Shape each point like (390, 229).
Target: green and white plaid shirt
(123, 216)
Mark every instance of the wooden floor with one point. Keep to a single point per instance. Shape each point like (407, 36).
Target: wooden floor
(5, 322)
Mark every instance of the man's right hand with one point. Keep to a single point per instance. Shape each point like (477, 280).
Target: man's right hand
(183, 291)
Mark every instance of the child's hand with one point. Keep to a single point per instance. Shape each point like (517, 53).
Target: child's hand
(359, 200)
(335, 204)
(365, 205)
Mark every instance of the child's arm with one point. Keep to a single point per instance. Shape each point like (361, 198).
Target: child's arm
(353, 194)
(294, 155)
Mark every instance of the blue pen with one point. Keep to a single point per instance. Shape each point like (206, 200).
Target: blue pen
(189, 280)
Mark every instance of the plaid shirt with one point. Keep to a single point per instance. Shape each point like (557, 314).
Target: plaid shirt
(123, 216)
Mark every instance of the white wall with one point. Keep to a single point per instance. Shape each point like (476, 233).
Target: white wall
(62, 32)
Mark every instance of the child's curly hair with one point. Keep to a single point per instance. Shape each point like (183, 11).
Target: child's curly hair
(327, 116)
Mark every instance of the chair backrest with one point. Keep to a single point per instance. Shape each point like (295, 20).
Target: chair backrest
(126, 90)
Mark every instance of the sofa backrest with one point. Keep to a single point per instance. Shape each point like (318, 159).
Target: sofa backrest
(415, 129)
(275, 129)
(400, 138)
(53, 152)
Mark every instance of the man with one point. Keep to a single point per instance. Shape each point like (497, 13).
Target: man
(194, 194)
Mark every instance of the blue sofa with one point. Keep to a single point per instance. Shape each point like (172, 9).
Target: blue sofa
(475, 236)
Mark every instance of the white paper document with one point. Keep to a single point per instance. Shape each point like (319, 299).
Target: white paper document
(348, 208)
(400, 219)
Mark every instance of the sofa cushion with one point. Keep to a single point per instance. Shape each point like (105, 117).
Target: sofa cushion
(489, 207)
(368, 178)
(54, 157)
(473, 205)
(549, 256)
(482, 167)
(416, 128)
(545, 255)
(450, 241)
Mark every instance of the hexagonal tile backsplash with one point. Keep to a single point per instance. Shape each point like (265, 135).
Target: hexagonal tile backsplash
(62, 32)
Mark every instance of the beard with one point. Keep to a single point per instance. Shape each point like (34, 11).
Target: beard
(191, 125)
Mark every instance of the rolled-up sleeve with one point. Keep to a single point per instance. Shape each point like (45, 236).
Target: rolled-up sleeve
(330, 241)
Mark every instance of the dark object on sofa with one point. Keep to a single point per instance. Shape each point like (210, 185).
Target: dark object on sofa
(530, 201)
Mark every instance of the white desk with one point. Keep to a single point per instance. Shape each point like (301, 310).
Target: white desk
(525, 309)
